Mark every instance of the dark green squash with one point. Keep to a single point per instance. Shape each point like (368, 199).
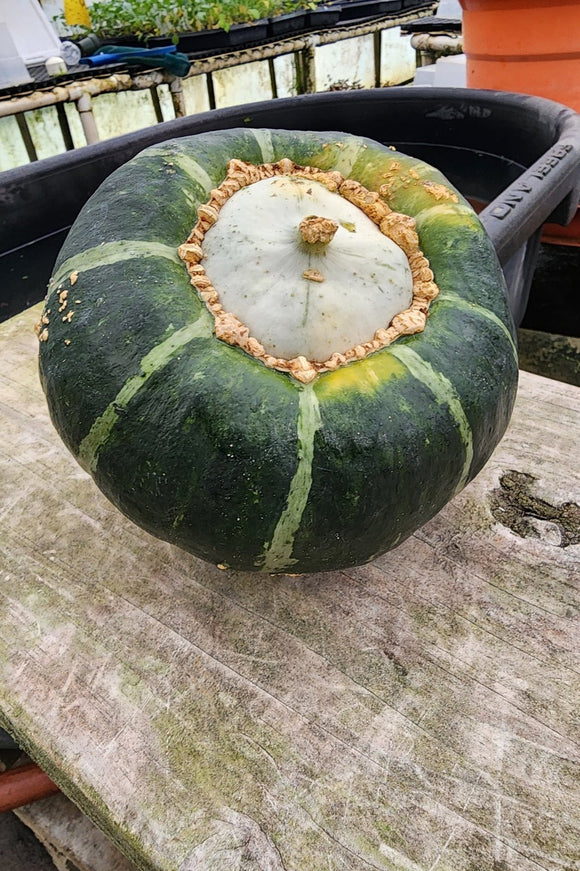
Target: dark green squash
(204, 445)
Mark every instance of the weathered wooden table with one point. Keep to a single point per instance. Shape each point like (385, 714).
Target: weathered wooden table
(419, 713)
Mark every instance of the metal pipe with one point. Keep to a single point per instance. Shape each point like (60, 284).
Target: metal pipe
(437, 43)
(177, 97)
(126, 82)
(73, 92)
(85, 109)
(24, 784)
(302, 47)
(298, 44)
(309, 55)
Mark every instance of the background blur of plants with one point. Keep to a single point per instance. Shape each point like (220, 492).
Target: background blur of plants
(144, 18)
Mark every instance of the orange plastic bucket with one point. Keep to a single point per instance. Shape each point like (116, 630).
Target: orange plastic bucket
(530, 47)
(527, 46)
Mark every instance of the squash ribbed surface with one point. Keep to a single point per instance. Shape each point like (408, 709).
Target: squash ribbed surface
(200, 443)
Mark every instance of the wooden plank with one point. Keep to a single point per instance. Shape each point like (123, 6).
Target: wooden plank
(416, 714)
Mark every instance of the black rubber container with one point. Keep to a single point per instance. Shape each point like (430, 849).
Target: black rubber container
(515, 156)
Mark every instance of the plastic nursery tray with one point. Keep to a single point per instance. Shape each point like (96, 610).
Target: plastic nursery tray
(517, 156)
(353, 10)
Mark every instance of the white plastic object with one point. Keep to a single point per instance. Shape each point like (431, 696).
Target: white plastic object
(12, 68)
(425, 76)
(451, 72)
(70, 53)
(55, 66)
(447, 72)
(34, 37)
(450, 9)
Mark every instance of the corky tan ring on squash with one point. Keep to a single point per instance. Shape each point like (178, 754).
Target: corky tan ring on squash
(296, 186)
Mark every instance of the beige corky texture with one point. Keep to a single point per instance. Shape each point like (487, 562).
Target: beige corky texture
(398, 227)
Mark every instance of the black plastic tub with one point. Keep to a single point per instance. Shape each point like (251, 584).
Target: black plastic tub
(517, 156)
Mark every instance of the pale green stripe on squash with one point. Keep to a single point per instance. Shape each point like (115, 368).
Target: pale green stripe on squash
(189, 197)
(278, 552)
(264, 140)
(178, 158)
(459, 302)
(108, 254)
(445, 394)
(346, 154)
(447, 210)
(151, 363)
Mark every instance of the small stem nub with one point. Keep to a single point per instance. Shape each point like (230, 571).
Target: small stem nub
(315, 230)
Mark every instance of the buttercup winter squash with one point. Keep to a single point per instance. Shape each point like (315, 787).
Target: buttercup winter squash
(281, 351)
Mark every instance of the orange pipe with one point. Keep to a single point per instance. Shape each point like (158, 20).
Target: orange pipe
(527, 46)
(24, 784)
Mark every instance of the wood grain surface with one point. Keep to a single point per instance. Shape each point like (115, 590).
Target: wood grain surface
(417, 714)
